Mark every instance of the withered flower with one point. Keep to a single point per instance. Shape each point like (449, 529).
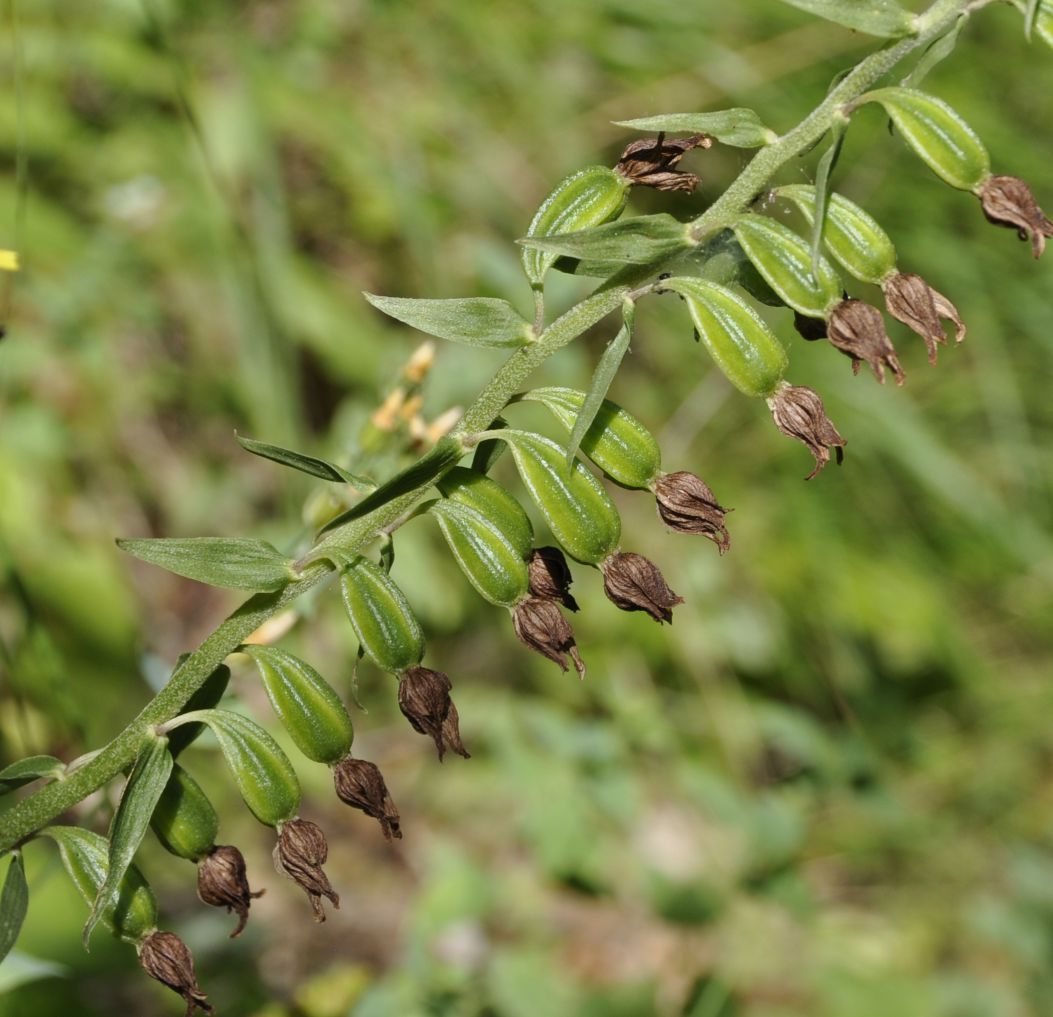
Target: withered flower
(798, 412)
(651, 161)
(910, 299)
(858, 330)
(550, 576)
(299, 854)
(1008, 201)
(539, 624)
(634, 583)
(686, 504)
(424, 699)
(165, 956)
(223, 883)
(360, 784)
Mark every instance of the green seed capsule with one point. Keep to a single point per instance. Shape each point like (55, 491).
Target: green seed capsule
(311, 711)
(850, 234)
(490, 499)
(575, 505)
(590, 197)
(738, 340)
(616, 441)
(387, 631)
(784, 259)
(492, 562)
(940, 138)
(86, 859)
(183, 819)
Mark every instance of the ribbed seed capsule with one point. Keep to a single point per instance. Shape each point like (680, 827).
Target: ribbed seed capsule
(616, 441)
(184, 820)
(784, 259)
(850, 234)
(741, 344)
(488, 498)
(575, 506)
(311, 711)
(592, 196)
(86, 858)
(387, 631)
(485, 554)
(939, 137)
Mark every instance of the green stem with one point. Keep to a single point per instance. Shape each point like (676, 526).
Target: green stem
(39, 809)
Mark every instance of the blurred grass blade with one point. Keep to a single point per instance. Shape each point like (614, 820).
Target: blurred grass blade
(942, 48)
(639, 240)
(234, 563)
(883, 18)
(14, 902)
(488, 452)
(823, 169)
(474, 321)
(739, 128)
(1030, 14)
(31, 768)
(311, 465)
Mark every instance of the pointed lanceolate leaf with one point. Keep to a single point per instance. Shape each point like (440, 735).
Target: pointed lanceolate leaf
(234, 563)
(739, 128)
(883, 18)
(311, 465)
(1044, 22)
(488, 452)
(475, 321)
(31, 768)
(206, 697)
(634, 241)
(14, 902)
(825, 167)
(942, 48)
(151, 771)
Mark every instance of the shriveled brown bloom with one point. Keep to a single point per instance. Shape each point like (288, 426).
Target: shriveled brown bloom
(910, 299)
(634, 583)
(223, 883)
(550, 576)
(651, 162)
(540, 624)
(165, 956)
(300, 853)
(424, 699)
(858, 330)
(686, 504)
(798, 412)
(361, 785)
(1008, 201)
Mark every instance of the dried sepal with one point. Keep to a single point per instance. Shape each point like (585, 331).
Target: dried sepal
(165, 957)
(798, 412)
(424, 699)
(1008, 201)
(650, 162)
(911, 300)
(223, 883)
(550, 576)
(540, 624)
(687, 505)
(634, 583)
(300, 853)
(360, 784)
(858, 330)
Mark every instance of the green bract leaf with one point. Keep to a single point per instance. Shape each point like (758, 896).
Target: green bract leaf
(942, 48)
(825, 167)
(1044, 22)
(234, 563)
(488, 452)
(147, 780)
(14, 902)
(475, 321)
(640, 240)
(740, 128)
(1030, 16)
(321, 468)
(31, 768)
(883, 18)
(206, 697)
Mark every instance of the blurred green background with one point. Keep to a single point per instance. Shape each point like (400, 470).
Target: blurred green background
(826, 790)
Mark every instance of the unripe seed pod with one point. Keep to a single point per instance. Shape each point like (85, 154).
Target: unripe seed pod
(490, 499)
(939, 137)
(590, 197)
(313, 714)
(487, 557)
(738, 340)
(851, 235)
(784, 259)
(85, 856)
(616, 441)
(387, 631)
(575, 505)
(183, 819)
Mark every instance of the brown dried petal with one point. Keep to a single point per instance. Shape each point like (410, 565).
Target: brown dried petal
(165, 956)
(223, 883)
(424, 699)
(539, 624)
(858, 330)
(634, 583)
(1008, 201)
(910, 299)
(550, 576)
(686, 504)
(798, 412)
(360, 784)
(650, 161)
(299, 854)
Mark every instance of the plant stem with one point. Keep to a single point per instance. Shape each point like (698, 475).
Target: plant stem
(39, 809)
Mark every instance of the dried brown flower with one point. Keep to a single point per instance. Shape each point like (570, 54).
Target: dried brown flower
(299, 854)
(424, 699)
(910, 299)
(223, 883)
(360, 784)
(858, 330)
(550, 576)
(651, 161)
(634, 583)
(1008, 201)
(165, 956)
(798, 412)
(539, 624)
(686, 504)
